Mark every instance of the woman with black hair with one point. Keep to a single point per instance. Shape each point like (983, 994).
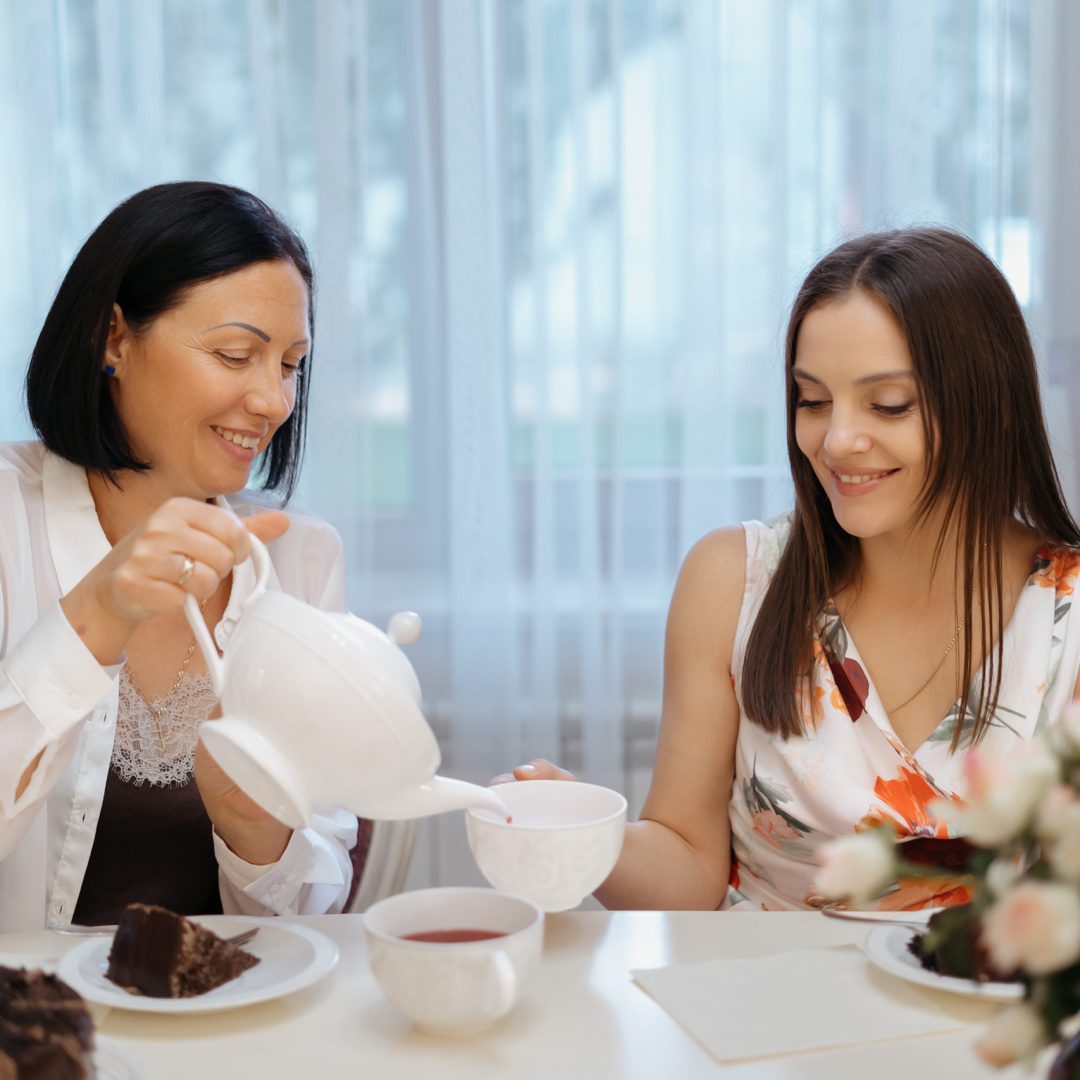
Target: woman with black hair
(175, 357)
(930, 529)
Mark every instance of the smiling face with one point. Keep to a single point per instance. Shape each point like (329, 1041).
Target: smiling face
(202, 389)
(858, 421)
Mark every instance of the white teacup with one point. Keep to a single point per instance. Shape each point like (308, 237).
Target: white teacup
(562, 841)
(453, 987)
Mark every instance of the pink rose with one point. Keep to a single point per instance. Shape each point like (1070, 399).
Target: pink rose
(1034, 926)
(1003, 873)
(1064, 850)
(1002, 791)
(1068, 726)
(857, 867)
(1053, 811)
(1016, 1032)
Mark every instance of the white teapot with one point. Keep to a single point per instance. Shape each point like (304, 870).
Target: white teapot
(324, 708)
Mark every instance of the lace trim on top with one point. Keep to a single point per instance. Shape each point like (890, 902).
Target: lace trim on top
(160, 749)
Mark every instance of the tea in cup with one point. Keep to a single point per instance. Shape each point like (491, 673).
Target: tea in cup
(562, 840)
(453, 959)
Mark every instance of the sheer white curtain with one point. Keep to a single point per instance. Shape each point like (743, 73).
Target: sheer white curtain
(556, 241)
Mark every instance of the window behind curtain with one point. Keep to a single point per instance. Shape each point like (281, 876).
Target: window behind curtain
(556, 242)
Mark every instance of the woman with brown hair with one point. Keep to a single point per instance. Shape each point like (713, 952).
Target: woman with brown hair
(929, 528)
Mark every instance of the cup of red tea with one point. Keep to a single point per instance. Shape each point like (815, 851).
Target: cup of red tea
(561, 841)
(453, 959)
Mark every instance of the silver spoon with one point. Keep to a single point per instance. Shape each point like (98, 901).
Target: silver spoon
(854, 915)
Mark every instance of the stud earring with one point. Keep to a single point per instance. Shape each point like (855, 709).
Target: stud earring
(110, 371)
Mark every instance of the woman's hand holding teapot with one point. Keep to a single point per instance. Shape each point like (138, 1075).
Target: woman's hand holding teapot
(184, 546)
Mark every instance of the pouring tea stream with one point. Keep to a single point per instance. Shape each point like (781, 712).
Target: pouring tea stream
(324, 708)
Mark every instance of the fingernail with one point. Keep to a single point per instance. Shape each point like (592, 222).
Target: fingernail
(527, 768)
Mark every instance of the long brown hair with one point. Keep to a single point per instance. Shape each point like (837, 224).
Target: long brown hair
(988, 459)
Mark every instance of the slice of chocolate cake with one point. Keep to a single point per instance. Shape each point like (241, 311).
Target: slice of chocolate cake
(952, 945)
(161, 954)
(45, 1028)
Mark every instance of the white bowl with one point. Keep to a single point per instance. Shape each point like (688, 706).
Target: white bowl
(562, 841)
(462, 987)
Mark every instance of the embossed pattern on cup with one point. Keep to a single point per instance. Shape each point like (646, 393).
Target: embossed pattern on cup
(562, 842)
(456, 988)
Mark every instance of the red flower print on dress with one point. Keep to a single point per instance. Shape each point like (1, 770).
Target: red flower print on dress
(853, 685)
(810, 695)
(810, 701)
(909, 796)
(771, 825)
(764, 800)
(1057, 568)
(916, 893)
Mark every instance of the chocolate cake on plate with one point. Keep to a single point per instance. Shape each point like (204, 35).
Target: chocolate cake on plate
(161, 954)
(952, 945)
(45, 1028)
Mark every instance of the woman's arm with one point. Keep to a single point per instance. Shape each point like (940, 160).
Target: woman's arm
(49, 687)
(678, 855)
(57, 674)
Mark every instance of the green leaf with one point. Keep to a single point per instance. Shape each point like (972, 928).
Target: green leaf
(773, 791)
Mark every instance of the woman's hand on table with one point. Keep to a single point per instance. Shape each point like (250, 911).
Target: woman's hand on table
(537, 769)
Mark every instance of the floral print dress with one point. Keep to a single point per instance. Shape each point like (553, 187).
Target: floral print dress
(849, 770)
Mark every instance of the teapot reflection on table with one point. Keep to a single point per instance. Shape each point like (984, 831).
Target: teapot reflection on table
(324, 708)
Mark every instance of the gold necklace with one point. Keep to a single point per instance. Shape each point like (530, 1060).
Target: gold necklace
(158, 711)
(930, 677)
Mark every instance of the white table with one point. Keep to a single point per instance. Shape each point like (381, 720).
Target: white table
(581, 1015)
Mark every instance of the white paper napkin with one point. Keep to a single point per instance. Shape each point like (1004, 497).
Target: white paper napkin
(793, 1002)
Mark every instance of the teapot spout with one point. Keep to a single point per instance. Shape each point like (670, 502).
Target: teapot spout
(436, 796)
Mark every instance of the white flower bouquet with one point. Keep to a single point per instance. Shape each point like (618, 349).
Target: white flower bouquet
(1023, 819)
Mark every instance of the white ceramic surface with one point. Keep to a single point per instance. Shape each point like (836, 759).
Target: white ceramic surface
(562, 842)
(453, 988)
(291, 957)
(323, 708)
(887, 947)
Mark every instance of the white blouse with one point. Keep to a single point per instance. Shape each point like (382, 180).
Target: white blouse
(55, 697)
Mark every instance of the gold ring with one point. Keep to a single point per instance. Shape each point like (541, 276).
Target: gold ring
(186, 572)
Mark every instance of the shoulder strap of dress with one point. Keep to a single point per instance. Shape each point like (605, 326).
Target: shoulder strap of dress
(765, 541)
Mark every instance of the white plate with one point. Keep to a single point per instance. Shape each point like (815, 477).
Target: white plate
(112, 1062)
(291, 957)
(887, 947)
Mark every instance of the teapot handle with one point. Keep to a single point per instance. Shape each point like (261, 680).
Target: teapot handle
(260, 558)
(214, 663)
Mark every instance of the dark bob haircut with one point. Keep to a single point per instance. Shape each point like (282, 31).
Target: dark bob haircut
(144, 256)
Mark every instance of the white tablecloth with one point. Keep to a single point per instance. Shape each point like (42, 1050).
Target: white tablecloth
(581, 1015)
